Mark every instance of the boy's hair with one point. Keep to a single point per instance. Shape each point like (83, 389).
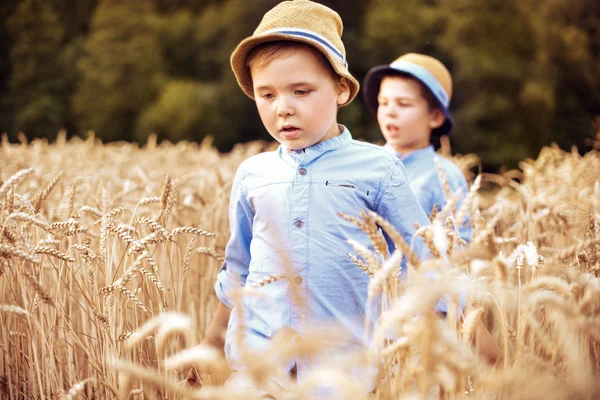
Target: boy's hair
(263, 54)
(432, 102)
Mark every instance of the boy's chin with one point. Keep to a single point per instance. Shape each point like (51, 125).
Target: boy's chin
(294, 145)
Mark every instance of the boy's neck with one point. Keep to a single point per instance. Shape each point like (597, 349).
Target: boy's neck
(335, 130)
(405, 151)
(340, 130)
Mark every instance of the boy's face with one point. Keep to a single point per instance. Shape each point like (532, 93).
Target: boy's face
(297, 99)
(404, 116)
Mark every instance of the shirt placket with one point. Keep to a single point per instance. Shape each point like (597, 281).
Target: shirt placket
(299, 239)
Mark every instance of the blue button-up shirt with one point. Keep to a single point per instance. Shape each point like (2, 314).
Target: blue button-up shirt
(283, 218)
(425, 182)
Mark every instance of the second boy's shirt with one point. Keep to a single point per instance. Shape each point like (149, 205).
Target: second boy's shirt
(425, 182)
(283, 212)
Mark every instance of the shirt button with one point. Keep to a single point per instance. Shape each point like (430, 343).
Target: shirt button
(298, 280)
(302, 171)
(298, 223)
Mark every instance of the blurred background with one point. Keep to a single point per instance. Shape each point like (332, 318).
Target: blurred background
(526, 72)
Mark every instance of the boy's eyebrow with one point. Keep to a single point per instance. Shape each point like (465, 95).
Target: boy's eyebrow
(291, 85)
(395, 98)
(263, 87)
(301, 83)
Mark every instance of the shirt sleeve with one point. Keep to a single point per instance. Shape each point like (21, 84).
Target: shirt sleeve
(234, 271)
(398, 205)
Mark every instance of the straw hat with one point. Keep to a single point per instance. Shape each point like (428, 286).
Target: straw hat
(427, 70)
(300, 21)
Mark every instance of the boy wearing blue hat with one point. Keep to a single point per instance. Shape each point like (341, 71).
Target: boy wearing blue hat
(411, 97)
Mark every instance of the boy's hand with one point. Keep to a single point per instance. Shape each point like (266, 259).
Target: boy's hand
(194, 376)
(488, 348)
(213, 338)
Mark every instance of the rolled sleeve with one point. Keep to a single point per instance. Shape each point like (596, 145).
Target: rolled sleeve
(234, 271)
(399, 206)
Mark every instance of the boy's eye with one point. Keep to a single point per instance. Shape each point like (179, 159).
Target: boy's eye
(301, 92)
(267, 96)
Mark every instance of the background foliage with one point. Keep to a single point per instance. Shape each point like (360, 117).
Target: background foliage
(526, 72)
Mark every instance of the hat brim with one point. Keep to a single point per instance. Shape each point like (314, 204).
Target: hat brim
(372, 83)
(242, 72)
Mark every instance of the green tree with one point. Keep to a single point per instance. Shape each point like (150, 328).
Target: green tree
(194, 6)
(567, 58)
(197, 49)
(491, 61)
(184, 110)
(121, 71)
(36, 93)
(75, 16)
(393, 28)
(6, 8)
(179, 46)
(526, 74)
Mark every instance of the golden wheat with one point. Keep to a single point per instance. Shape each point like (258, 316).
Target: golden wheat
(102, 293)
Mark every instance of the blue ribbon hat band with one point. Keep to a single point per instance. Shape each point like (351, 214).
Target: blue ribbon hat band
(424, 76)
(313, 37)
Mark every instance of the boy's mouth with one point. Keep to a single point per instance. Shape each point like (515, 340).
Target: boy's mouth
(289, 132)
(392, 129)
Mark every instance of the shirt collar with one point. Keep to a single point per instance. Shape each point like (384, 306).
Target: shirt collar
(413, 155)
(316, 150)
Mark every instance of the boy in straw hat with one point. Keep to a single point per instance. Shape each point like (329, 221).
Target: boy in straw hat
(284, 204)
(411, 97)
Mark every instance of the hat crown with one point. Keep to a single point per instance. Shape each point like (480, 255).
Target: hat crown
(304, 15)
(301, 21)
(433, 66)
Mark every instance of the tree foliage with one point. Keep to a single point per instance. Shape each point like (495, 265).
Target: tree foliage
(121, 69)
(36, 87)
(526, 73)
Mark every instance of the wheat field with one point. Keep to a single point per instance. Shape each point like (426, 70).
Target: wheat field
(109, 252)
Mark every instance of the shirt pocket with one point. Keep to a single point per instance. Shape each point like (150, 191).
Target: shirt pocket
(346, 196)
(342, 184)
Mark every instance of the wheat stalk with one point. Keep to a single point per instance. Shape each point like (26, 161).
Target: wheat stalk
(14, 180)
(45, 192)
(8, 308)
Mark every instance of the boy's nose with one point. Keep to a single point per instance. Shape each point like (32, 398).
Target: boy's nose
(390, 110)
(284, 108)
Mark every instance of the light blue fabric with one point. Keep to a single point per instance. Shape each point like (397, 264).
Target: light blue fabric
(425, 182)
(283, 219)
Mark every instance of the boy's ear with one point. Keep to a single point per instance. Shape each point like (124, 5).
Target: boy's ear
(343, 91)
(436, 118)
